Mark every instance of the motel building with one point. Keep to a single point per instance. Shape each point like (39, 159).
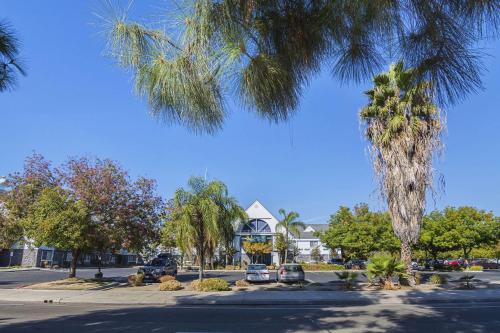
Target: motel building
(261, 227)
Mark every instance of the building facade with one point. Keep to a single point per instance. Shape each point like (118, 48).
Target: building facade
(261, 226)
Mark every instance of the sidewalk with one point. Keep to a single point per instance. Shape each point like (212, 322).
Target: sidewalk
(339, 298)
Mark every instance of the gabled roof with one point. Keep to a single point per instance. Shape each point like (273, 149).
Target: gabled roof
(311, 229)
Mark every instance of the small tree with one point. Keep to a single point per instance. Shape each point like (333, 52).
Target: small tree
(316, 254)
(384, 266)
(58, 220)
(257, 249)
(281, 246)
(289, 224)
(201, 214)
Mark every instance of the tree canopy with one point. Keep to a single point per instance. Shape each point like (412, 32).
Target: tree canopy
(264, 53)
(121, 213)
(358, 234)
(201, 215)
(463, 229)
(10, 64)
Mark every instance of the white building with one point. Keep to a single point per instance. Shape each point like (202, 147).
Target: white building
(261, 227)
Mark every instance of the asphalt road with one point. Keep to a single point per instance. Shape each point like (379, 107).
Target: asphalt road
(74, 318)
(23, 278)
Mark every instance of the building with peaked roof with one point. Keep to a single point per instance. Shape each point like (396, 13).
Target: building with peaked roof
(261, 227)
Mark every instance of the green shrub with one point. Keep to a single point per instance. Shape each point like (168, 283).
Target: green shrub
(383, 266)
(437, 279)
(349, 279)
(166, 278)
(242, 283)
(212, 284)
(475, 268)
(136, 279)
(322, 267)
(170, 285)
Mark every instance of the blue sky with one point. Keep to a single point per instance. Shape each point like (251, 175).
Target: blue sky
(74, 101)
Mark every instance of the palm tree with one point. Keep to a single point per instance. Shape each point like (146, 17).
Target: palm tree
(201, 214)
(263, 53)
(289, 224)
(9, 63)
(403, 128)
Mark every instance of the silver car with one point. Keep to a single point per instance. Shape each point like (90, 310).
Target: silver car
(290, 273)
(257, 272)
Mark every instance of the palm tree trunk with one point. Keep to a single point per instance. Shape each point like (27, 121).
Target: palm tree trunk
(286, 248)
(202, 264)
(406, 258)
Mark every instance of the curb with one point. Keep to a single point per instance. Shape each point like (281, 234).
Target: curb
(19, 270)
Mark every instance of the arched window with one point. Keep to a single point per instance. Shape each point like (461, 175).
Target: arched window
(256, 226)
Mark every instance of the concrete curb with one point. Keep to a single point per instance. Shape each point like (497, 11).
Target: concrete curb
(19, 270)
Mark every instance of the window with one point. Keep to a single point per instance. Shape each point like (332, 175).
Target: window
(47, 255)
(314, 243)
(256, 226)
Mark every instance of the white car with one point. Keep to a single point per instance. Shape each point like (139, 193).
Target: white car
(257, 272)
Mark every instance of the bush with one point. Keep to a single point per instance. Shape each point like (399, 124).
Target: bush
(437, 279)
(242, 283)
(322, 267)
(170, 285)
(212, 284)
(136, 279)
(166, 278)
(349, 279)
(232, 268)
(476, 268)
(383, 266)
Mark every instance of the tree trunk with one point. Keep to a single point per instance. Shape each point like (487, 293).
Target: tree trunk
(406, 258)
(202, 264)
(74, 260)
(286, 247)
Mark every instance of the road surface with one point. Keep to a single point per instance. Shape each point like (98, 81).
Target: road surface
(75, 318)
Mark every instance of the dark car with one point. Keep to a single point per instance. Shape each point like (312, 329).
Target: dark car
(159, 267)
(355, 264)
(336, 261)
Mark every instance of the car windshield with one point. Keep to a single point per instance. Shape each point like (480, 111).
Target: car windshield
(293, 268)
(256, 267)
(157, 262)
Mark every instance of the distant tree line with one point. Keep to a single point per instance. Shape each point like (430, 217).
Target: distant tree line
(462, 231)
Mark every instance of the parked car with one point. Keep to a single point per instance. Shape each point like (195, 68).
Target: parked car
(355, 264)
(486, 264)
(257, 272)
(159, 267)
(290, 273)
(336, 261)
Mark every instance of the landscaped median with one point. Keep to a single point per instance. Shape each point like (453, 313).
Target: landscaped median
(74, 284)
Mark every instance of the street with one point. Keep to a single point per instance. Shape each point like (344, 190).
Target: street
(76, 318)
(22, 278)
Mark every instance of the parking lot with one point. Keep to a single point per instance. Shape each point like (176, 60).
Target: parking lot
(19, 279)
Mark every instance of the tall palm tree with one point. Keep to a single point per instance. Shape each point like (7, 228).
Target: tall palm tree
(201, 214)
(289, 224)
(403, 128)
(9, 62)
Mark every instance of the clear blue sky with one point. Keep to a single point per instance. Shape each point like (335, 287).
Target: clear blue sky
(76, 102)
